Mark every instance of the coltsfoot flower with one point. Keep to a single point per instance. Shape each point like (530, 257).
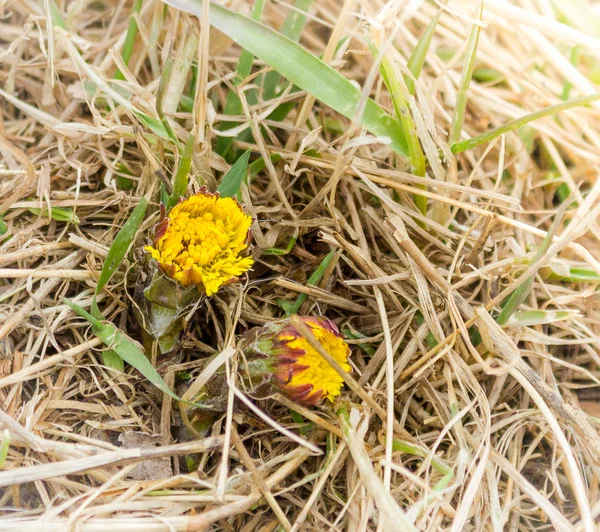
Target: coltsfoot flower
(203, 241)
(293, 366)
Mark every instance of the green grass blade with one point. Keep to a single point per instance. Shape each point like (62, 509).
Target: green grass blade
(3, 227)
(56, 213)
(313, 280)
(56, 15)
(165, 76)
(519, 122)
(522, 292)
(129, 38)
(399, 94)
(301, 68)
(230, 184)
(528, 318)
(180, 183)
(121, 244)
(292, 28)
(233, 104)
(576, 275)
(4, 444)
(461, 101)
(115, 255)
(417, 58)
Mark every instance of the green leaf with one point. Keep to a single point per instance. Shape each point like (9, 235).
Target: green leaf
(56, 213)
(233, 104)
(4, 444)
(180, 183)
(465, 145)
(515, 300)
(399, 94)
(259, 165)
(292, 28)
(230, 184)
(461, 101)
(417, 58)
(527, 318)
(115, 255)
(129, 38)
(279, 252)
(3, 227)
(349, 332)
(165, 76)
(121, 244)
(56, 15)
(301, 68)
(313, 280)
(155, 125)
(127, 349)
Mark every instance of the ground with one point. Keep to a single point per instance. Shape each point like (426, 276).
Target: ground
(434, 194)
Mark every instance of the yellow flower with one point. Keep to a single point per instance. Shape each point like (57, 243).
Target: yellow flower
(202, 242)
(295, 368)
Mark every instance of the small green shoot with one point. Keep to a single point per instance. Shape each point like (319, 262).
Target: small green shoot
(180, 183)
(230, 184)
(4, 444)
(465, 145)
(417, 58)
(129, 38)
(461, 101)
(515, 300)
(56, 213)
(115, 255)
(313, 280)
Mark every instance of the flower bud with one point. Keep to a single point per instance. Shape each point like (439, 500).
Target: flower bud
(292, 365)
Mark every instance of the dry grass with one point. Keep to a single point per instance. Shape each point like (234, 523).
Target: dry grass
(503, 435)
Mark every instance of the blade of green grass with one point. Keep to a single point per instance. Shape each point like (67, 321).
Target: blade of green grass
(165, 76)
(417, 58)
(115, 255)
(527, 318)
(230, 184)
(301, 68)
(4, 444)
(522, 292)
(56, 15)
(233, 104)
(180, 182)
(349, 332)
(292, 28)
(461, 101)
(121, 244)
(519, 122)
(129, 38)
(3, 227)
(56, 213)
(313, 280)
(280, 252)
(399, 94)
(576, 275)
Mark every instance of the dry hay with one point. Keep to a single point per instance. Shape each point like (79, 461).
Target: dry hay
(518, 430)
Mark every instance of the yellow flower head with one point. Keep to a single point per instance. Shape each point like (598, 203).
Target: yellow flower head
(202, 242)
(298, 370)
